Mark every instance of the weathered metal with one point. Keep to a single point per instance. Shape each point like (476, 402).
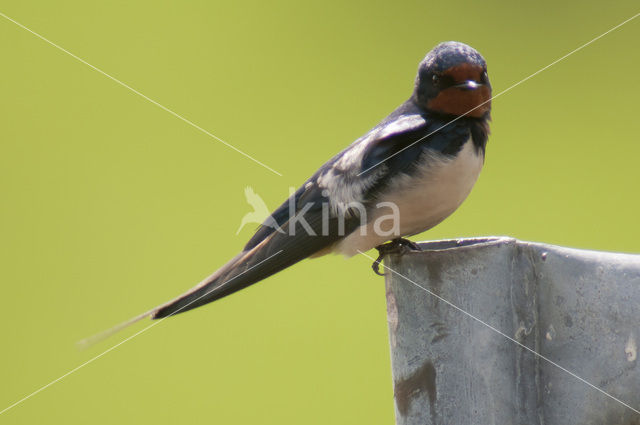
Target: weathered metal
(579, 309)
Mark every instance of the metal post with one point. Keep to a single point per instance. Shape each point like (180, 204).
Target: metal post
(578, 309)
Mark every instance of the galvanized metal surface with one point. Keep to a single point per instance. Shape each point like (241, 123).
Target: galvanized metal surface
(580, 309)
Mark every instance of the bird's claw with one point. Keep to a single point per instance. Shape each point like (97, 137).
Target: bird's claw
(396, 246)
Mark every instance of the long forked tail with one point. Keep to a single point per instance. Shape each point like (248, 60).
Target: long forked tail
(258, 261)
(273, 254)
(240, 272)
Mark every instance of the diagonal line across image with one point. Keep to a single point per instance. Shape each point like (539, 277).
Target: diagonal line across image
(272, 170)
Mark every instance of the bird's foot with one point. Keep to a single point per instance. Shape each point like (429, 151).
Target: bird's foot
(396, 246)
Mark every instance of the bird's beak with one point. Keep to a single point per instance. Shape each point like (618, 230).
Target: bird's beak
(469, 85)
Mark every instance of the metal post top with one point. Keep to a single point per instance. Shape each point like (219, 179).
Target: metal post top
(481, 242)
(494, 330)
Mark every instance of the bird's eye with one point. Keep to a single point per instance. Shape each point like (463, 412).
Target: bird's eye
(435, 79)
(485, 77)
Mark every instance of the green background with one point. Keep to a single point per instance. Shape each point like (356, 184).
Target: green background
(111, 206)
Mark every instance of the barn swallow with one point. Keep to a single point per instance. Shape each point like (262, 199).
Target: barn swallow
(419, 163)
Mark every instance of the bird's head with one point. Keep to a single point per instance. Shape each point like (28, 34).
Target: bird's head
(452, 79)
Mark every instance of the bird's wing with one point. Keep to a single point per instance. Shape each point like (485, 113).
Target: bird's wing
(311, 217)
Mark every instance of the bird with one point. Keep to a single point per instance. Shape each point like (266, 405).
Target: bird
(403, 177)
(260, 211)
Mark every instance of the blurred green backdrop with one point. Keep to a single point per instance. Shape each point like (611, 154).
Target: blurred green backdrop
(111, 206)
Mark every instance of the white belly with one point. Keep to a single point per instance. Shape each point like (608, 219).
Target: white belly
(423, 200)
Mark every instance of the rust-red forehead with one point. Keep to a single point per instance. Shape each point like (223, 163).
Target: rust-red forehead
(464, 72)
(453, 101)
